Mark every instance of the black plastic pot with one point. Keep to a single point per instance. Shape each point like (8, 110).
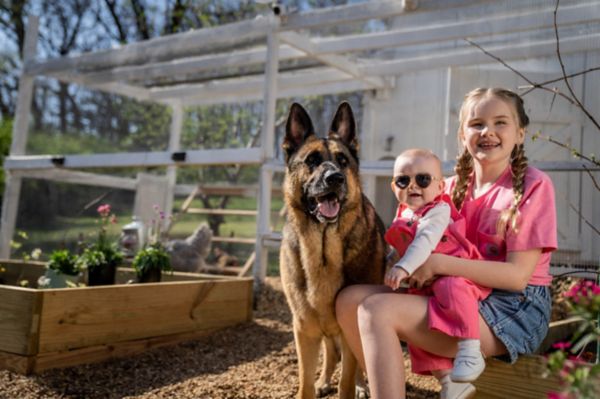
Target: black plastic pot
(102, 275)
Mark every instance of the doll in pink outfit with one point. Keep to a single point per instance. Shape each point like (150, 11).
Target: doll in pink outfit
(427, 222)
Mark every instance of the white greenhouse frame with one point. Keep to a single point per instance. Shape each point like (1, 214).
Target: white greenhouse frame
(337, 69)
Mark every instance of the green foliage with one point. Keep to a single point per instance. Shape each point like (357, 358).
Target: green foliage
(570, 362)
(152, 257)
(64, 262)
(91, 259)
(5, 139)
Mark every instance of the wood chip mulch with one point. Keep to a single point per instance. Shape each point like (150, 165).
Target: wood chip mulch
(256, 360)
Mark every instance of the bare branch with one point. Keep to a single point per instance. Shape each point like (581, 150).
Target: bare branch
(533, 84)
(584, 219)
(572, 150)
(531, 88)
(564, 72)
(589, 172)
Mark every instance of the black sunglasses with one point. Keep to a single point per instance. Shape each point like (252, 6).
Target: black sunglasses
(423, 180)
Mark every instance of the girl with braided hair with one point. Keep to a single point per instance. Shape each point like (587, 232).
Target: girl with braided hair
(510, 217)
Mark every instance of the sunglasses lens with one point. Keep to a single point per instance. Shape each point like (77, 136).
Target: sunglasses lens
(423, 180)
(402, 181)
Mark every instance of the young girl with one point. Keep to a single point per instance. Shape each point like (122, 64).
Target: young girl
(510, 214)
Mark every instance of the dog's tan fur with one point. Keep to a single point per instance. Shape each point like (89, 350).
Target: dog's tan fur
(319, 257)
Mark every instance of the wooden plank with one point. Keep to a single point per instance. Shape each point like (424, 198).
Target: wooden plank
(355, 12)
(160, 48)
(344, 64)
(248, 265)
(249, 85)
(20, 131)
(189, 65)
(81, 317)
(230, 212)
(19, 315)
(239, 190)
(243, 156)
(17, 363)
(235, 240)
(522, 380)
(522, 20)
(296, 88)
(98, 353)
(18, 270)
(472, 56)
(76, 177)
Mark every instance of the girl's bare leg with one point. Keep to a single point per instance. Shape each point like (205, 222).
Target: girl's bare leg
(385, 318)
(347, 303)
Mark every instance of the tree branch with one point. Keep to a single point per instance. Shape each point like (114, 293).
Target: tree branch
(564, 72)
(533, 84)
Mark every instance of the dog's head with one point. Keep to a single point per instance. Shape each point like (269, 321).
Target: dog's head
(322, 173)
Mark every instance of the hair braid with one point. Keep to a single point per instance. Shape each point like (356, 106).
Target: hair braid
(463, 169)
(518, 166)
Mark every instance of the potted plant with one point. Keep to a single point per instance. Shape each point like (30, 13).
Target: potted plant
(153, 259)
(102, 258)
(61, 271)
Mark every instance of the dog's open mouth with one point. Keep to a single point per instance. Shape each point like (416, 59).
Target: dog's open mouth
(326, 207)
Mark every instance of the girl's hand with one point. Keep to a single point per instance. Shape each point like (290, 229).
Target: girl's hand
(394, 276)
(426, 273)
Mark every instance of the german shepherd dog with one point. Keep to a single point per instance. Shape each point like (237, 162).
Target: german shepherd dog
(332, 238)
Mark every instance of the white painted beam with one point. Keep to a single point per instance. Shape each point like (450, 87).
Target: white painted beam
(299, 90)
(160, 48)
(344, 64)
(473, 56)
(242, 156)
(244, 85)
(364, 11)
(77, 177)
(267, 142)
(519, 21)
(12, 187)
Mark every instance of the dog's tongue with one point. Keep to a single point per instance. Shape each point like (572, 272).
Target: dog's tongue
(329, 208)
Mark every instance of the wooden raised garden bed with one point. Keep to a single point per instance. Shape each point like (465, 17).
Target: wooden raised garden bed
(49, 328)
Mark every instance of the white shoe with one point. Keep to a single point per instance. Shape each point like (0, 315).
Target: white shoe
(469, 362)
(456, 390)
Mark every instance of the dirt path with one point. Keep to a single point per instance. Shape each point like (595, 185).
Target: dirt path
(256, 360)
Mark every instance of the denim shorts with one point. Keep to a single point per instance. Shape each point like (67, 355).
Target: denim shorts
(519, 319)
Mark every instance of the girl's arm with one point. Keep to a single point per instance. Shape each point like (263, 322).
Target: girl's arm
(511, 275)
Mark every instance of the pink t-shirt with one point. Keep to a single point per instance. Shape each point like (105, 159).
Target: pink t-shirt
(536, 225)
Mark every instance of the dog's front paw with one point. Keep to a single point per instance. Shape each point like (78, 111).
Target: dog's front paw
(362, 392)
(324, 390)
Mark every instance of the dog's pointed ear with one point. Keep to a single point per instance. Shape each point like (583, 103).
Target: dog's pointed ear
(344, 126)
(298, 128)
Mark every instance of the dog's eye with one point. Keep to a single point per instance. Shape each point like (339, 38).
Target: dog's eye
(342, 160)
(314, 160)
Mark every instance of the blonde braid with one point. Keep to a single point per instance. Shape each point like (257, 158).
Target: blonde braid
(463, 169)
(518, 166)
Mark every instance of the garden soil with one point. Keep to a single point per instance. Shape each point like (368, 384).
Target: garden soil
(254, 360)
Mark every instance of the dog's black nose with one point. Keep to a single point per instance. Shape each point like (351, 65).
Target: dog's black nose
(333, 178)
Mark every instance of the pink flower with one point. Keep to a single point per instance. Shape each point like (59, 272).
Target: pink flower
(104, 210)
(561, 345)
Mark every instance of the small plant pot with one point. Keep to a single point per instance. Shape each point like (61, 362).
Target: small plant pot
(150, 276)
(102, 275)
(55, 279)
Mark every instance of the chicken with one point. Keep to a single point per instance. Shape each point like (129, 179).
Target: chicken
(188, 255)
